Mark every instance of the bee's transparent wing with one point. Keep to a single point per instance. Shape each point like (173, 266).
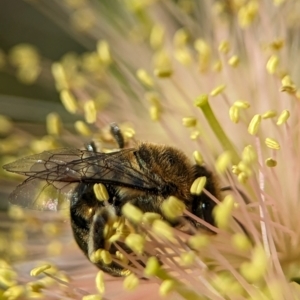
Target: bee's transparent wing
(60, 169)
(38, 194)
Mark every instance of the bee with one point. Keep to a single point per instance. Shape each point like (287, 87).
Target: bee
(144, 176)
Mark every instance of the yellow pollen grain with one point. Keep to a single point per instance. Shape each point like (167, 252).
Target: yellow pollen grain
(181, 38)
(82, 128)
(269, 114)
(103, 50)
(198, 158)
(163, 230)
(105, 257)
(244, 167)
(54, 124)
(135, 242)
(255, 270)
(222, 212)
(95, 256)
(223, 162)
(163, 72)
(234, 61)
(224, 47)
(38, 270)
(272, 144)
(272, 64)
(68, 101)
(189, 122)
(241, 242)
(145, 78)
(195, 134)
(249, 155)
(100, 192)
(132, 213)
(154, 112)
(254, 124)
(234, 114)
(198, 185)
(201, 100)
(172, 208)
(152, 266)
(242, 177)
(270, 162)
(198, 241)
(130, 282)
(167, 287)
(90, 111)
(92, 297)
(283, 117)
(218, 90)
(241, 104)
(100, 285)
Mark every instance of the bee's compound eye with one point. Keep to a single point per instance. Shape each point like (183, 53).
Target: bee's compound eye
(207, 211)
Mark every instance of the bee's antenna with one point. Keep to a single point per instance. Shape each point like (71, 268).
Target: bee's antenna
(117, 134)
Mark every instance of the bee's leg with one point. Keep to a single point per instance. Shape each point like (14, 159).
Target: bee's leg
(97, 240)
(117, 134)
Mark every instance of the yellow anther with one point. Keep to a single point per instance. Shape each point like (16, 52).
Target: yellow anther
(234, 61)
(218, 90)
(92, 297)
(14, 292)
(247, 13)
(204, 51)
(188, 258)
(269, 114)
(162, 64)
(105, 257)
(283, 117)
(120, 256)
(157, 36)
(224, 47)
(82, 128)
(163, 229)
(198, 158)
(223, 162)
(38, 270)
(272, 64)
(132, 213)
(135, 242)
(195, 134)
(68, 101)
(95, 256)
(90, 111)
(100, 282)
(183, 55)
(241, 242)
(272, 144)
(277, 44)
(241, 104)
(254, 125)
(217, 66)
(54, 124)
(242, 177)
(198, 241)
(180, 38)
(103, 50)
(288, 85)
(167, 286)
(198, 185)
(249, 155)
(149, 218)
(152, 266)
(144, 77)
(173, 208)
(234, 114)
(100, 192)
(189, 122)
(201, 100)
(131, 282)
(270, 162)
(256, 269)
(222, 212)
(154, 112)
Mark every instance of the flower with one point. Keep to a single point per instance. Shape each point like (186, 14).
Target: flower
(220, 78)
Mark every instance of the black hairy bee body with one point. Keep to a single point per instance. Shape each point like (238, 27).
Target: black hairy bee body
(144, 176)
